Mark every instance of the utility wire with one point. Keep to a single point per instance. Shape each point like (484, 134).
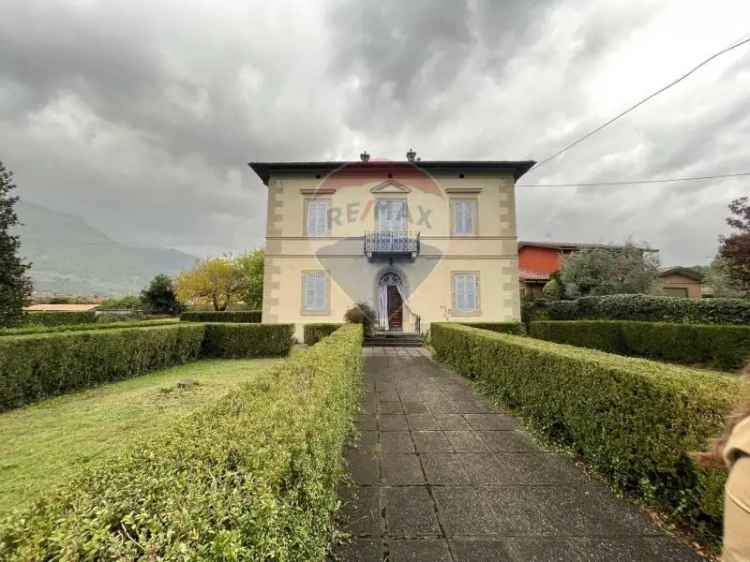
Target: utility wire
(636, 182)
(641, 102)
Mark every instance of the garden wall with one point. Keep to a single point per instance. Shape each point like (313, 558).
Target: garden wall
(633, 420)
(721, 347)
(252, 477)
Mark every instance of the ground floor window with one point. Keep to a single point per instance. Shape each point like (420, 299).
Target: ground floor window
(314, 292)
(466, 292)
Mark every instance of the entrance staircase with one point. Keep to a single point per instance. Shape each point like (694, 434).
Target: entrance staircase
(393, 339)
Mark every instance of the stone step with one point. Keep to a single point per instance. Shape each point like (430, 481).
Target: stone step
(393, 340)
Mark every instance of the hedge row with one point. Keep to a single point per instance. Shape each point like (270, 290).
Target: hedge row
(26, 330)
(500, 327)
(33, 367)
(634, 420)
(241, 316)
(37, 366)
(313, 333)
(247, 340)
(252, 477)
(722, 347)
(59, 318)
(643, 308)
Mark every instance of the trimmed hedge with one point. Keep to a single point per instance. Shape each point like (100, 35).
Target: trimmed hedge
(500, 327)
(59, 318)
(33, 367)
(236, 316)
(722, 347)
(313, 333)
(252, 477)
(646, 308)
(247, 340)
(85, 327)
(636, 421)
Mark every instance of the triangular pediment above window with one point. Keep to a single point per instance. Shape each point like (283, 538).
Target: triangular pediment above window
(390, 186)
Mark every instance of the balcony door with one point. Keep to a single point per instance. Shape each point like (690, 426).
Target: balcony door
(391, 215)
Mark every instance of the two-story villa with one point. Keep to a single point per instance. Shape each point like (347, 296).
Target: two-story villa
(419, 241)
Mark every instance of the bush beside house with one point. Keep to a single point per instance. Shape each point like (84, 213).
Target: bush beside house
(26, 330)
(247, 340)
(635, 421)
(313, 333)
(500, 327)
(244, 316)
(724, 347)
(252, 477)
(645, 308)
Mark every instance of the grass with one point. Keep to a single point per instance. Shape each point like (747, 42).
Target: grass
(47, 443)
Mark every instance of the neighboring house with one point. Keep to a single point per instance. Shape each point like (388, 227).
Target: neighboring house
(681, 282)
(537, 261)
(60, 307)
(419, 241)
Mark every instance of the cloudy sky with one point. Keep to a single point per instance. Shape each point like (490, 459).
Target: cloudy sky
(142, 115)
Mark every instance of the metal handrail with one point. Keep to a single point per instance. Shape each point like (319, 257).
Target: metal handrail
(392, 242)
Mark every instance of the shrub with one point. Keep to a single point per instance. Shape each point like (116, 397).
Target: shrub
(650, 308)
(42, 365)
(85, 327)
(635, 421)
(252, 477)
(129, 302)
(236, 316)
(247, 340)
(316, 332)
(112, 317)
(59, 318)
(723, 347)
(500, 327)
(159, 297)
(361, 313)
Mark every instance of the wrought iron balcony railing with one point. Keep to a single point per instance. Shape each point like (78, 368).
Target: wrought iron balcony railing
(390, 244)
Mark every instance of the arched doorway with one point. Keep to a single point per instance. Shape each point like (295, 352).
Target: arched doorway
(390, 302)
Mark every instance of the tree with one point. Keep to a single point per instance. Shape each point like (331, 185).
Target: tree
(251, 265)
(609, 271)
(159, 297)
(735, 249)
(717, 277)
(15, 284)
(214, 281)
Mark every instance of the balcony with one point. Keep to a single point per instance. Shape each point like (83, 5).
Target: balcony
(390, 245)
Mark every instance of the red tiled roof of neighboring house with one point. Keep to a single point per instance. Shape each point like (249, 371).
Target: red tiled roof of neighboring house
(683, 272)
(568, 245)
(526, 275)
(60, 307)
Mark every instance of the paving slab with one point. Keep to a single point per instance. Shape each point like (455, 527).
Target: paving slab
(440, 475)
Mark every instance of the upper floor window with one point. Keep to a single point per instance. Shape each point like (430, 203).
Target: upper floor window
(463, 217)
(466, 292)
(317, 217)
(391, 215)
(314, 292)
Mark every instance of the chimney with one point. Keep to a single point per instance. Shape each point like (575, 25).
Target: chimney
(364, 156)
(411, 155)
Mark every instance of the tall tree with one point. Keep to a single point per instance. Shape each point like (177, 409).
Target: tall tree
(609, 271)
(159, 297)
(15, 284)
(251, 265)
(214, 281)
(735, 249)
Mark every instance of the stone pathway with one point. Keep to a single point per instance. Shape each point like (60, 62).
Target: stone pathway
(442, 476)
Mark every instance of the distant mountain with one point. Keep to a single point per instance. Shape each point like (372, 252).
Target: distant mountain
(70, 257)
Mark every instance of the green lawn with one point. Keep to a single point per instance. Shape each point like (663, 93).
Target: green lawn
(44, 444)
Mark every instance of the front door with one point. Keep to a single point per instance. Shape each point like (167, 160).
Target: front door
(395, 309)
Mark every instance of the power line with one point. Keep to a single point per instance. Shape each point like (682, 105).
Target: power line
(637, 182)
(641, 102)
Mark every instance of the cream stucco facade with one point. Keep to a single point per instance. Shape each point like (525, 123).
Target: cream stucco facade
(482, 252)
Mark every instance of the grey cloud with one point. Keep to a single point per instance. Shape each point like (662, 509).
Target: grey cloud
(141, 116)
